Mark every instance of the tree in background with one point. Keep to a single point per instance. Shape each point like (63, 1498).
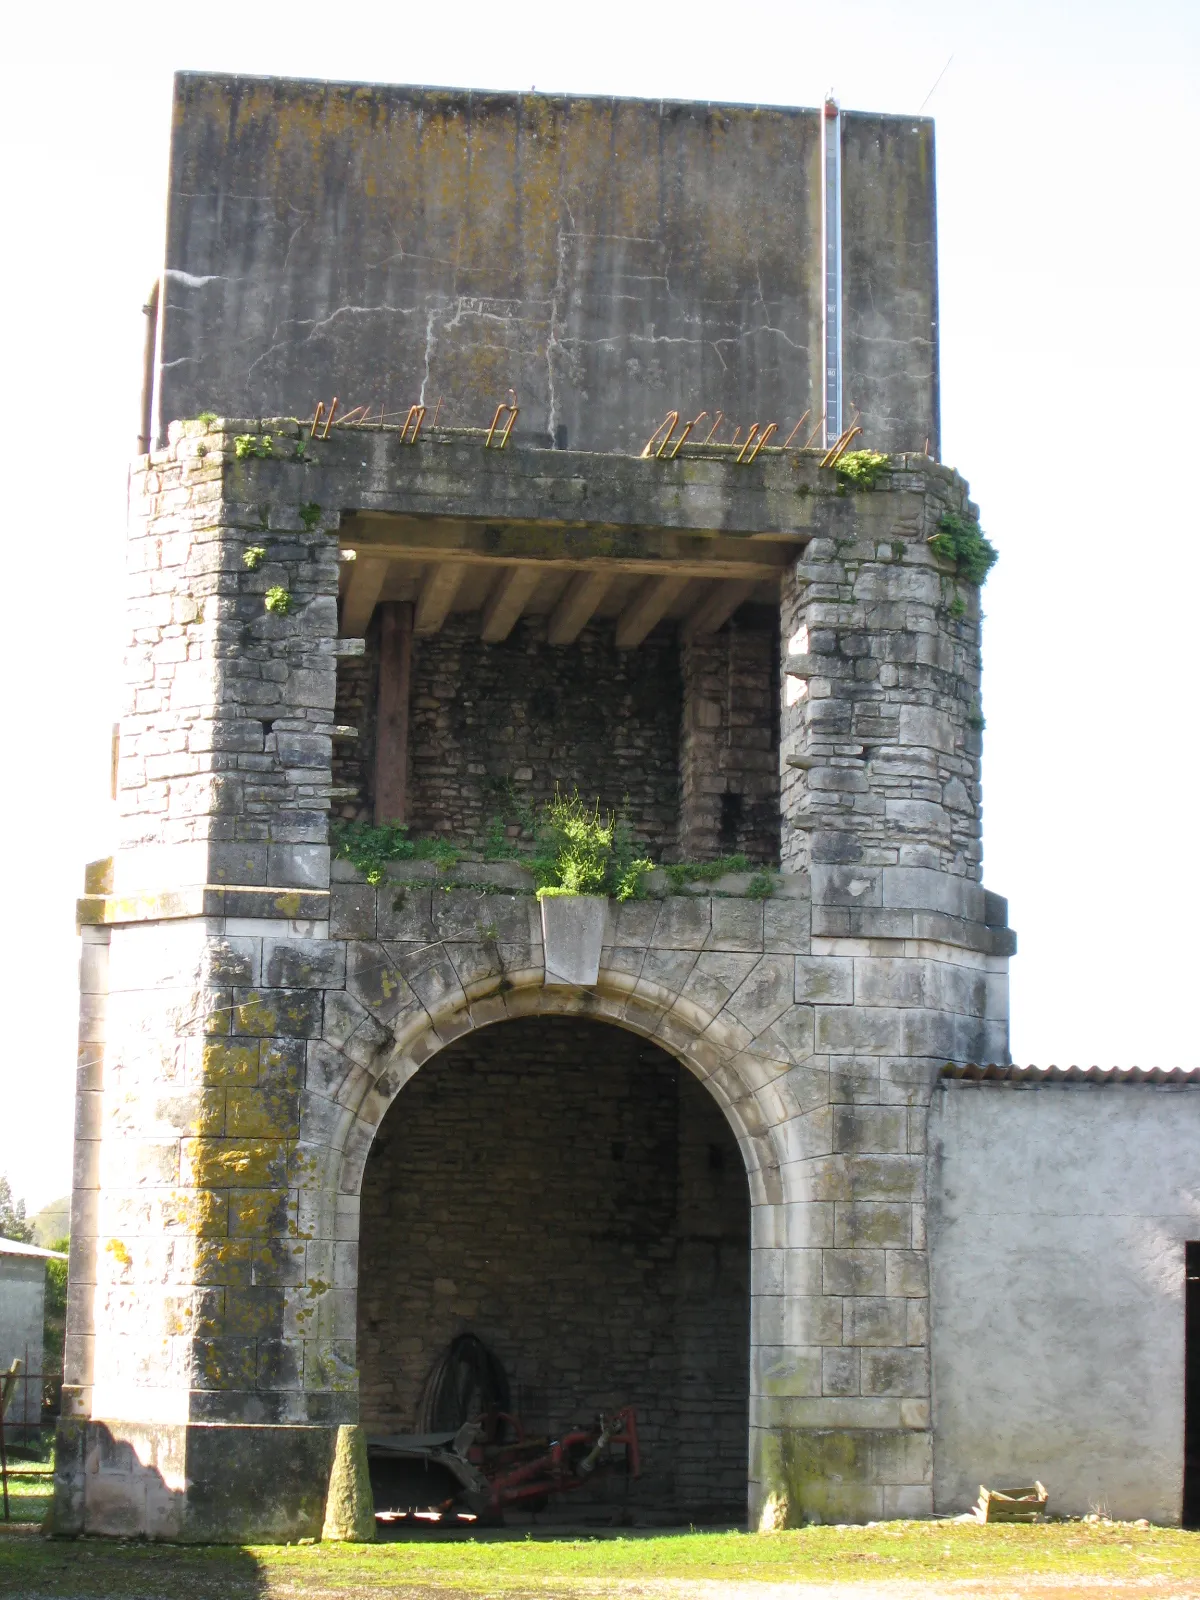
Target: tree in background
(13, 1223)
(54, 1329)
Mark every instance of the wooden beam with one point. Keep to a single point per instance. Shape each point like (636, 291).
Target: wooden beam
(437, 596)
(577, 606)
(716, 608)
(391, 727)
(648, 606)
(507, 601)
(435, 539)
(367, 576)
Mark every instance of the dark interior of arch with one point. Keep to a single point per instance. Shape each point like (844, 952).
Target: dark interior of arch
(565, 1191)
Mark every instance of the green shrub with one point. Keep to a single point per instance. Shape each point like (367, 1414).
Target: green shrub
(370, 849)
(962, 542)
(681, 873)
(860, 468)
(581, 851)
(249, 444)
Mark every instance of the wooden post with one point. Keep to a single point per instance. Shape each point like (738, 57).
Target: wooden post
(391, 729)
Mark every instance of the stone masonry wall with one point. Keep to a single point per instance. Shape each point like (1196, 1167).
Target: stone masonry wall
(729, 751)
(496, 727)
(563, 1190)
(881, 689)
(259, 1025)
(223, 774)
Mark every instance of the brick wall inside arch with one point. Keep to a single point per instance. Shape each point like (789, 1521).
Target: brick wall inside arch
(566, 1191)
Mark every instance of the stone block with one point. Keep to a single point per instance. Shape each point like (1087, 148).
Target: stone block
(736, 925)
(872, 1129)
(875, 1320)
(764, 994)
(852, 1272)
(290, 1013)
(907, 1273)
(901, 1372)
(262, 1112)
(828, 980)
(248, 1163)
(352, 911)
(787, 925)
(304, 964)
(778, 1370)
(840, 1372)
(683, 923)
(872, 1223)
(405, 913)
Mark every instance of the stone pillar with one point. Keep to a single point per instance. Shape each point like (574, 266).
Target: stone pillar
(193, 1310)
(881, 805)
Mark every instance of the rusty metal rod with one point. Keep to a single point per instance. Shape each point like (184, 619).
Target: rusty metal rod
(750, 438)
(772, 427)
(668, 422)
(795, 430)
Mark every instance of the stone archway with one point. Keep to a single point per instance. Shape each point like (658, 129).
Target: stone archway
(713, 1010)
(558, 1187)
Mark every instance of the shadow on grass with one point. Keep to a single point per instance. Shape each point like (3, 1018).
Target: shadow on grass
(111, 1569)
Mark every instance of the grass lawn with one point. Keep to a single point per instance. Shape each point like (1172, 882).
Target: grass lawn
(891, 1559)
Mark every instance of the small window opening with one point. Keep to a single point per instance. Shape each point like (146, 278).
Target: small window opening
(730, 823)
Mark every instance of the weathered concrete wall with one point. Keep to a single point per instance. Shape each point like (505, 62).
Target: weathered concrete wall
(22, 1312)
(608, 259)
(550, 1185)
(1058, 1218)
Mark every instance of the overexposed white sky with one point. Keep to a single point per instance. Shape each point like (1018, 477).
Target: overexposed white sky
(1068, 160)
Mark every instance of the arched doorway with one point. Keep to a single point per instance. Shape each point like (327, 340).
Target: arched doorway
(562, 1189)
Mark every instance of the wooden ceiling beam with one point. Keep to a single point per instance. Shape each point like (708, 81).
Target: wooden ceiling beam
(598, 550)
(578, 605)
(437, 596)
(716, 607)
(367, 576)
(648, 607)
(507, 601)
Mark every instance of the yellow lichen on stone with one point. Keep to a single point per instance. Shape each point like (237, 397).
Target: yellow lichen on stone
(230, 1063)
(233, 1163)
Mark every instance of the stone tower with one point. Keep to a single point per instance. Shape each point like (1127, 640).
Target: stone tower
(247, 1022)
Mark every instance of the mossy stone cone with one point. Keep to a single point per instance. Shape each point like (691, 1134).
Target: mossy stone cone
(350, 1505)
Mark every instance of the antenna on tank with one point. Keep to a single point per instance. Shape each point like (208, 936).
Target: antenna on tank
(831, 257)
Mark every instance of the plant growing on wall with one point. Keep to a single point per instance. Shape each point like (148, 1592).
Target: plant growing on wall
(370, 849)
(961, 541)
(254, 556)
(858, 469)
(581, 850)
(278, 600)
(250, 444)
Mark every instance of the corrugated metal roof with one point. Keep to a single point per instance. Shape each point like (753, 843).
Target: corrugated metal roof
(1183, 1077)
(18, 1247)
